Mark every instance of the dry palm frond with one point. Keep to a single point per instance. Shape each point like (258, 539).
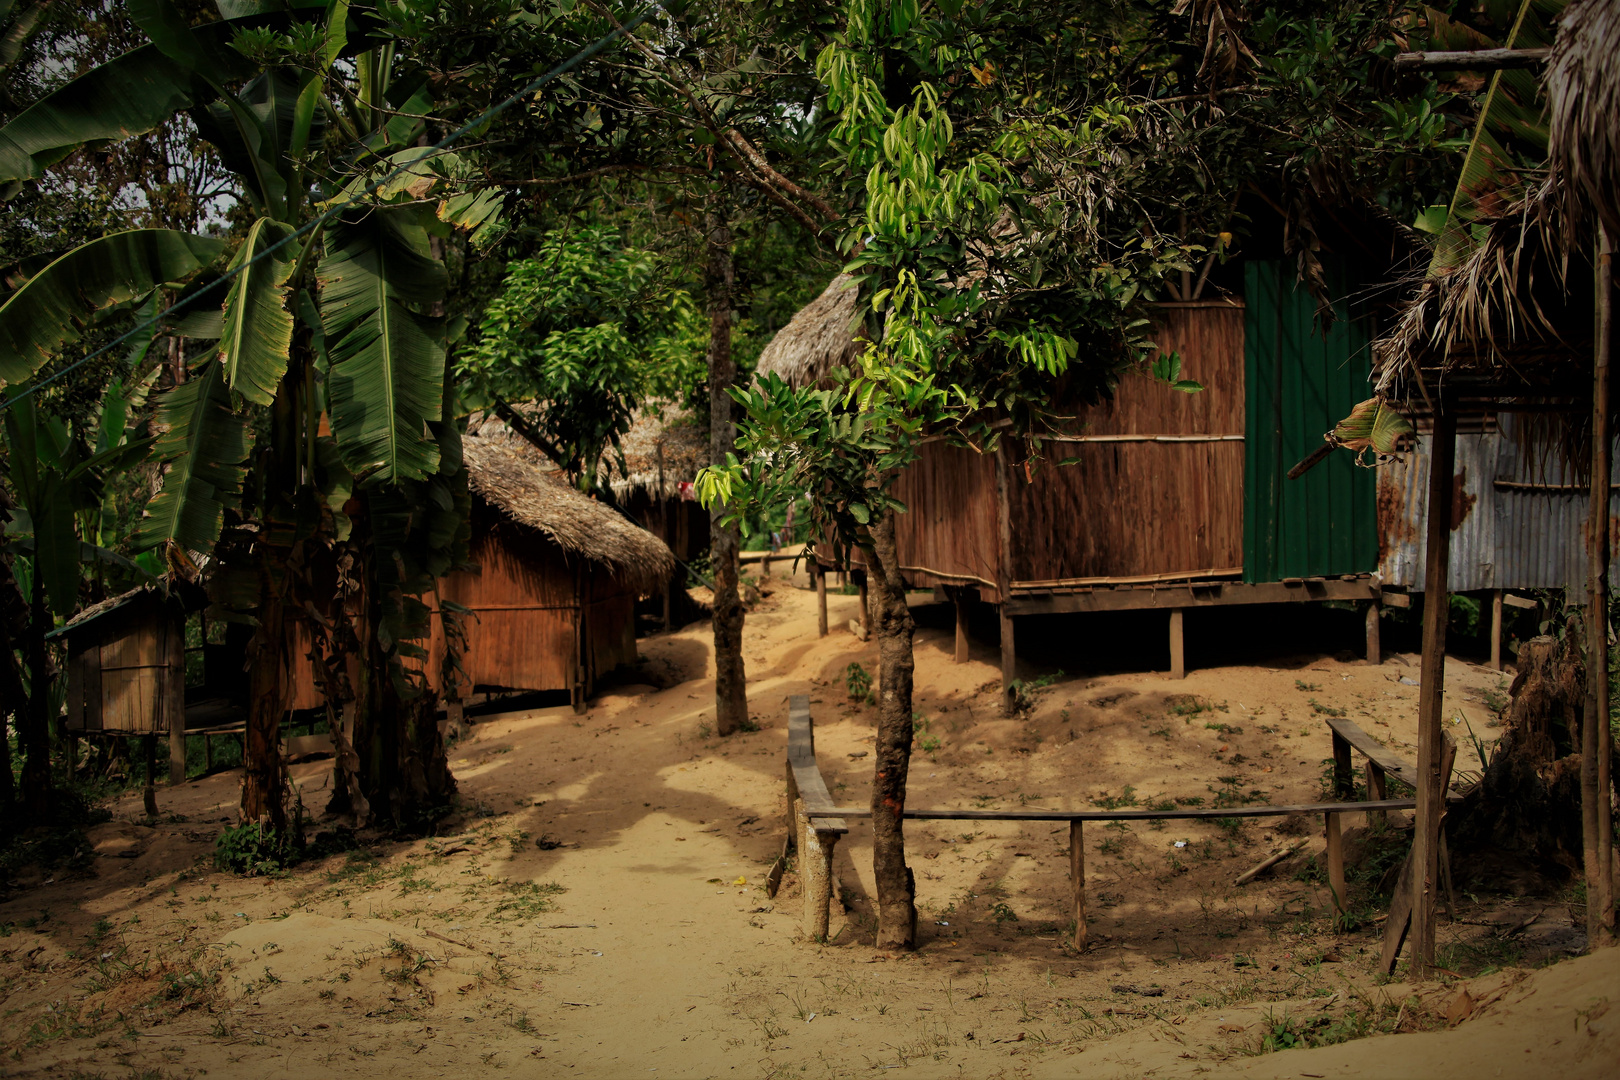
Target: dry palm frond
(1583, 87)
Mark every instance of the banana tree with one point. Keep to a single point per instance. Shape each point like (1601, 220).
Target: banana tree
(323, 399)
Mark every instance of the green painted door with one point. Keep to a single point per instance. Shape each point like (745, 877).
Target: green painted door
(1300, 383)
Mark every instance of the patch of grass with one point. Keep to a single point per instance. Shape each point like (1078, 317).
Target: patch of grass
(1309, 688)
(1224, 729)
(1326, 710)
(1116, 802)
(526, 899)
(252, 850)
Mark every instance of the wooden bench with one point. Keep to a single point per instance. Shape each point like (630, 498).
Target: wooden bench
(819, 821)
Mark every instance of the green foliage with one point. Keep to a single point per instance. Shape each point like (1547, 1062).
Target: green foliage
(858, 683)
(591, 328)
(253, 850)
(1117, 802)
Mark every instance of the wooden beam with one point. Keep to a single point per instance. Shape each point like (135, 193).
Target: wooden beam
(1470, 60)
(1180, 813)
(1178, 644)
(1431, 688)
(1201, 594)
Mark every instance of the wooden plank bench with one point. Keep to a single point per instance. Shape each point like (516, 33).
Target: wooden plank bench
(818, 821)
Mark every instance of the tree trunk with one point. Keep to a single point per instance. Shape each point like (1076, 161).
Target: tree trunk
(730, 680)
(896, 889)
(35, 731)
(264, 790)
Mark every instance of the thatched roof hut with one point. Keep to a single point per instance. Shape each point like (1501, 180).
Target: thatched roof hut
(514, 478)
(821, 337)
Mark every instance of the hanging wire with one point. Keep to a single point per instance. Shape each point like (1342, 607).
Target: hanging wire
(477, 121)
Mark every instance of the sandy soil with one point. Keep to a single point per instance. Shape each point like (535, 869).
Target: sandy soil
(597, 907)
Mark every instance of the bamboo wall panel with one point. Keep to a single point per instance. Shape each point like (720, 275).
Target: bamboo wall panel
(119, 672)
(950, 526)
(1210, 341)
(1129, 509)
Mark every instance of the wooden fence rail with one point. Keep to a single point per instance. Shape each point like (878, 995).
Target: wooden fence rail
(815, 822)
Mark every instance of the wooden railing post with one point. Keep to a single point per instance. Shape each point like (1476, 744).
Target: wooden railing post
(815, 871)
(1178, 643)
(1376, 788)
(1077, 880)
(1344, 785)
(1335, 861)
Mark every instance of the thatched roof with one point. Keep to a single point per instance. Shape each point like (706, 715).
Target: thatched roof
(818, 339)
(658, 427)
(1583, 89)
(507, 474)
(1515, 316)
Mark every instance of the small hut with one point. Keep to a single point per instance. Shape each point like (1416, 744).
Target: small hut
(126, 671)
(1174, 500)
(556, 581)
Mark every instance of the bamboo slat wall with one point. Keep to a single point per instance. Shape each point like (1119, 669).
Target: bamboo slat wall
(1124, 508)
(125, 669)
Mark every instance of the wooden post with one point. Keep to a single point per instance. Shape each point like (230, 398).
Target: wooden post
(455, 715)
(149, 795)
(174, 695)
(1496, 630)
(1375, 648)
(1596, 743)
(1335, 861)
(1009, 648)
(1431, 690)
(959, 596)
(1077, 880)
(821, 598)
(815, 872)
(1401, 908)
(1344, 784)
(866, 611)
(1178, 644)
(1376, 787)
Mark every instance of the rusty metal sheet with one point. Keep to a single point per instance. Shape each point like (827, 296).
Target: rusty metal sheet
(1519, 521)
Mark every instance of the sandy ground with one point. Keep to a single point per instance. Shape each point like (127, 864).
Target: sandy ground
(597, 909)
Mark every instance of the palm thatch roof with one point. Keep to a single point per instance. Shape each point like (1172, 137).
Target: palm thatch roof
(821, 337)
(1516, 315)
(1583, 88)
(507, 473)
(664, 440)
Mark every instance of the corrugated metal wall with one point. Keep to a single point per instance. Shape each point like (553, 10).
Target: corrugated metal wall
(1519, 520)
(1301, 383)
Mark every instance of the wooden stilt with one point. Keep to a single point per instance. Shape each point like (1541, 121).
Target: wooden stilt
(1077, 881)
(1375, 648)
(959, 596)
(208, 753)
(1401, 902)
(1431, 690)
(1596, 743)
(821, 600)
(149, 795)
(1496, 630)
(1009, 651)
(1178, 644)
(1335, 861)
(174, 698)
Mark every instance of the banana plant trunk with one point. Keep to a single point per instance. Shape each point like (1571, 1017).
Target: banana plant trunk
(36, 730)
(264, 778)
(730, 678)
(896, 888)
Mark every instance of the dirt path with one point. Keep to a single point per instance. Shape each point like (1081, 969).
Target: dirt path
(597, 909)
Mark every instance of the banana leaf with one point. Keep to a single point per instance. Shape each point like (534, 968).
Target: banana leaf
(258, 328)
(205, 445)
(45, 313)
(1372, 425)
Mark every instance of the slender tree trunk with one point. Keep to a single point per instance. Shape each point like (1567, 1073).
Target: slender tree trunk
(896, 888)
(730, 680)
(264, 791)
(35, 731)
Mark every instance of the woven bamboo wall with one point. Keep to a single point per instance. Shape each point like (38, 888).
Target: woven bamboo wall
(949, 534)
(121, 668)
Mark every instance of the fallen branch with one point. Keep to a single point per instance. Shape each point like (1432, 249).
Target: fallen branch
(1271, 861)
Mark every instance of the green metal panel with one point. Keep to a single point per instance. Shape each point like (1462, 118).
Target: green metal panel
(1300, 383)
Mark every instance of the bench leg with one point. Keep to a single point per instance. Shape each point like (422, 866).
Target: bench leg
(1335, 863)
(1344, 785)
(1178, 644)
(815, 872)
(1376, 788)
(1077, 881)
